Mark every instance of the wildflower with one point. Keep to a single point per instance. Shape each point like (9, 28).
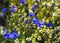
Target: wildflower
(4, 9)
(31, 14)
(22, 1)
(34, 6)
(40, 24)
(27, 21)
(48, 24)
(5, 31)
(6, 35)
(13, 8)
(35, 21)
(13, 35)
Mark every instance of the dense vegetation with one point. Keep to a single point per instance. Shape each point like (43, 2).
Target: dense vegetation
(31, 21)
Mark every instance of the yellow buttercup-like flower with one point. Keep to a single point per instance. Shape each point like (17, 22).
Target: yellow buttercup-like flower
(58, 38)
(47, 20)
(23, 41)
(17, 39)
(23, 33)
(33, 40)
(13, 24)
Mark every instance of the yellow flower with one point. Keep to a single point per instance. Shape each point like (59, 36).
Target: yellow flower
(23, 10)
(13, 24)
(12, 3)
(53, 22)
(11, 19)
(26, 25)
(23, 41)
(45, 42)
(25, 19)
(58, 38)
(44, 26)
(50, 35)
(55, 7)
(29, 6)
(23, 33)
(27, 38)
(43, 3)
(17, 39)
(48, 40)
(33, 40)
(47, 20)
(19, 32)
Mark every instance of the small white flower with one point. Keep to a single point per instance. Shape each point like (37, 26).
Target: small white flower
(2, 32)
(39, 38)
(55, 37)
(43, 3)
(49, 4)
(16, 41)
(54, 14)
(38, 28)
(50, 36)
(52, 1)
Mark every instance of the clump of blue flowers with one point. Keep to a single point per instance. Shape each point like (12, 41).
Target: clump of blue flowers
(40, 24)
(11, 35)
(34, 6)
(36, 22)
(13, 8)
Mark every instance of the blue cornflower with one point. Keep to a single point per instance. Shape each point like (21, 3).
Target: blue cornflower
(13, 35)
(22, 1)
(35, 20)
(48, 24)
(34, 6)
(31, 14)
(5, 31)
(11, 10)
(13, 6)
(27, 21)
(6, 35)
(4, 9)
(40, 24)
